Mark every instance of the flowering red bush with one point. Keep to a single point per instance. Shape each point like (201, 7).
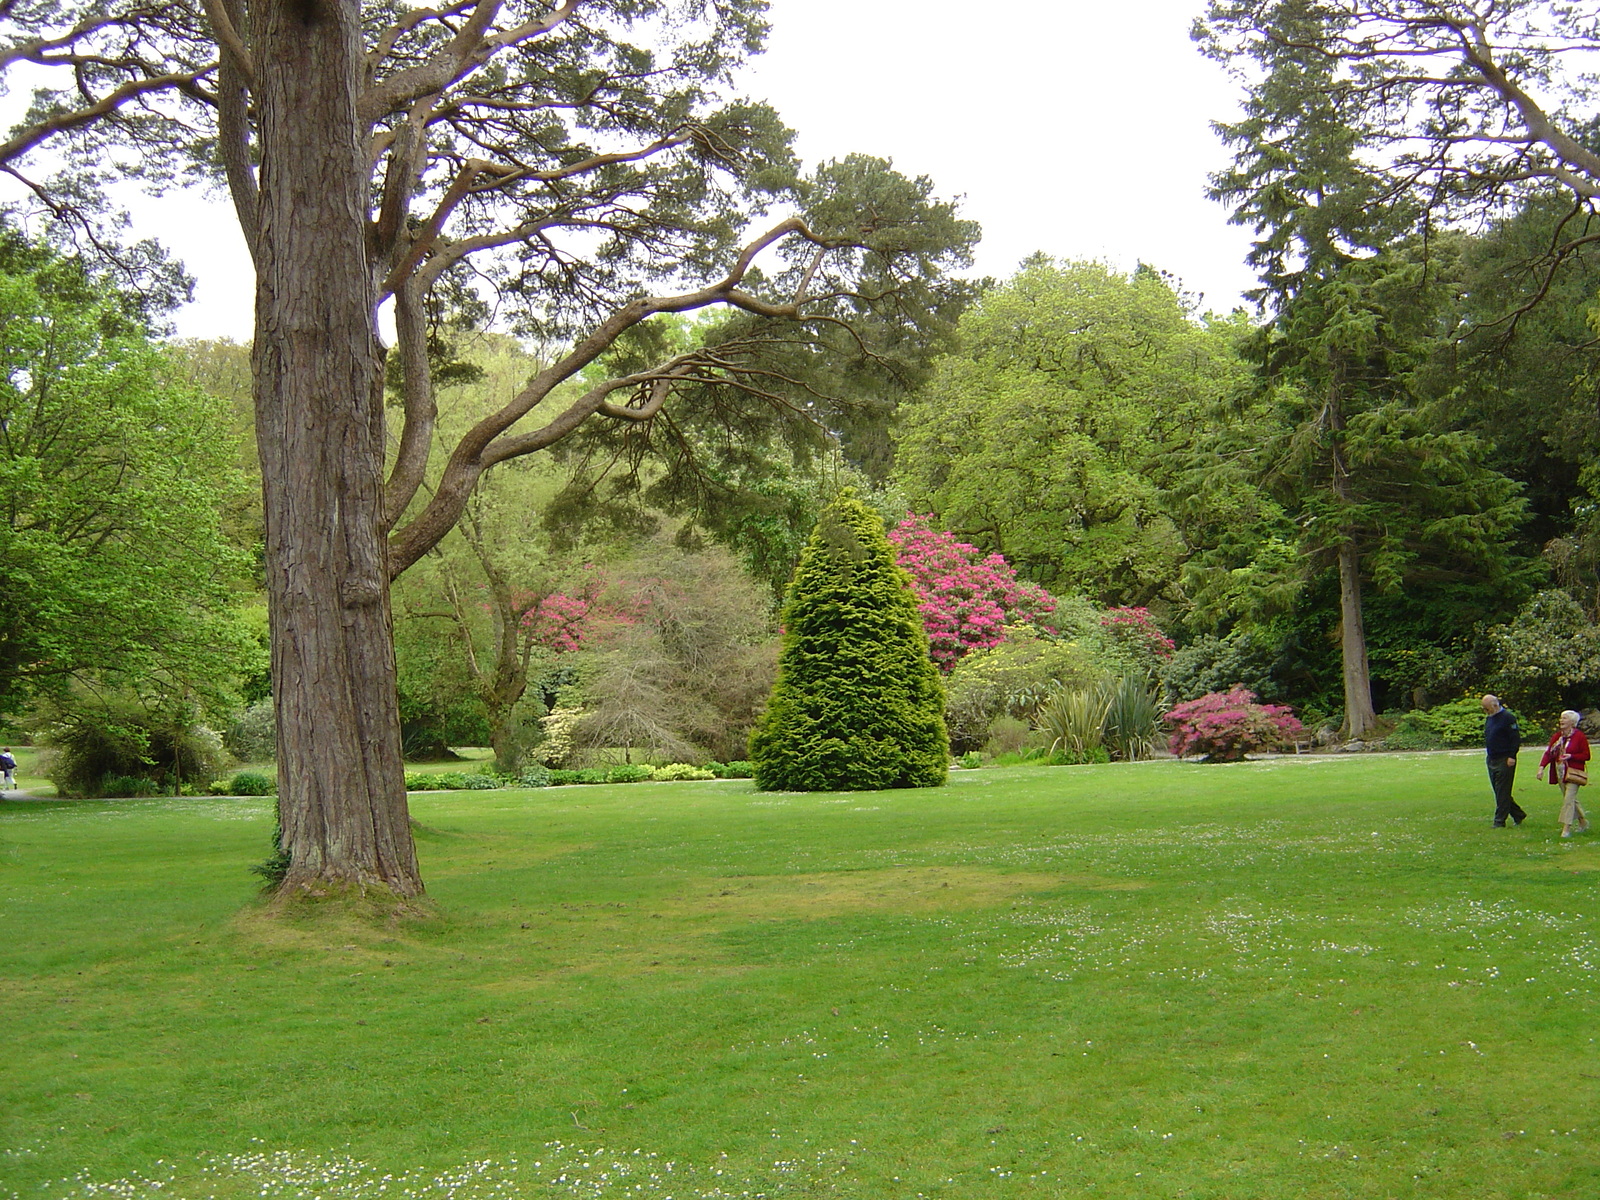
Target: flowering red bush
(1138, 628)
(562, 621)
(966, 600)
(558, 621)
(1225, 726)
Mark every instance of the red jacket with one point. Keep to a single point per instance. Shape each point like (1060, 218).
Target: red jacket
(1577, 754)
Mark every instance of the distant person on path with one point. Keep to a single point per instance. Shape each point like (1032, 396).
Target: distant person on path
(8, 764)
(1567, 756)
(1501, 741)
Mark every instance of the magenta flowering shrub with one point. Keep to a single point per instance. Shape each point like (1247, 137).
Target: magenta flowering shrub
(582, 615)
(558, 621)
(1138, 629)
(966, 599)
(1225, 726)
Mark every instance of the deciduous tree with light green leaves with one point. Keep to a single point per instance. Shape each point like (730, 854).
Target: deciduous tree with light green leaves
(858, 703)
(113, 475)
(1049, 435)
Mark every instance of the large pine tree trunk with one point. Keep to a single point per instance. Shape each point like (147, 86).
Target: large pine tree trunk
(1359, 717)
(319, 418)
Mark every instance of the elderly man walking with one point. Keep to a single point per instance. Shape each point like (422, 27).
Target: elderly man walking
(1501, 741)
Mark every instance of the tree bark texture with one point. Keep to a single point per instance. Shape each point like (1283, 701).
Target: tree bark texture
(1359, 717)
(319, 413)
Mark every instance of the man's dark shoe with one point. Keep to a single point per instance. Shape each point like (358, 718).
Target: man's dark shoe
(1519, 820)
(1499, 824)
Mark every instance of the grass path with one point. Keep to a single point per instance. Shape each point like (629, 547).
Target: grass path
(1325, 977)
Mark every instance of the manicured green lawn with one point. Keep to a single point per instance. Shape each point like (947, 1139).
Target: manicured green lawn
(1299, 978)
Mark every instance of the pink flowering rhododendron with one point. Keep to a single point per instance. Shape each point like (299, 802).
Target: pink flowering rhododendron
(562, 621)
(1137, 626)
(1225, 726)
(557, 621)
(966, 598)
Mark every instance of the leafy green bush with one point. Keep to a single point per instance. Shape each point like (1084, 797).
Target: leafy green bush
(1412, 731)
(1076, 758)
(1549, 654)
(276, 867)
(971, 760)
(1458, 724)
(681, 771)
(738, 769)
(456, 781)
(252, 783)
(128, 786)
(1113, 641)
(1007, 735)
(858, 703)
(1010, 680)
(1213, 664)
(1111, 718)
(1133, 718)
(105, 739)
(532, 775)
(253, 736)
(619, 773)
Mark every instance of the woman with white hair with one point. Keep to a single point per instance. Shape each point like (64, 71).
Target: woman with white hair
(1567, 756)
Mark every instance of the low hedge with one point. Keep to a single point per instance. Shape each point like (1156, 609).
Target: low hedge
(537, 776)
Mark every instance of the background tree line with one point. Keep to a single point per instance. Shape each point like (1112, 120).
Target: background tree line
(1120, 450)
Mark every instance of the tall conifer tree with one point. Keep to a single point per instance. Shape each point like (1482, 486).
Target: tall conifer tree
(1373, 475)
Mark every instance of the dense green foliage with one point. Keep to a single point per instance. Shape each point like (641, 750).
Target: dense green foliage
(858, 702)
(252, 783)
(115, 742)
(1106, 719)
(1549, 655)
(114, 475)
(1048, 435)
(1456, 725)
(1010, 681)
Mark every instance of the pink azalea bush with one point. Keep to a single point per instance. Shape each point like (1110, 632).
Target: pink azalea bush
(966, 598)
(1225, 726)
(564, 621)
(558, 621)
(1138, 628)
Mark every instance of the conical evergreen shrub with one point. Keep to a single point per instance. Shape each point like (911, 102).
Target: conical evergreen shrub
(858, 703)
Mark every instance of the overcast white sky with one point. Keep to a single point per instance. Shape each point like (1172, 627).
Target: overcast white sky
(1074, 127)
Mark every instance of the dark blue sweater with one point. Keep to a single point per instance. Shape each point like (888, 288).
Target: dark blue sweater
(1501, 737)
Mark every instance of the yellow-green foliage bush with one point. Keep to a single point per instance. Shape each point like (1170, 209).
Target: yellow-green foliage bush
(1009, 680)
